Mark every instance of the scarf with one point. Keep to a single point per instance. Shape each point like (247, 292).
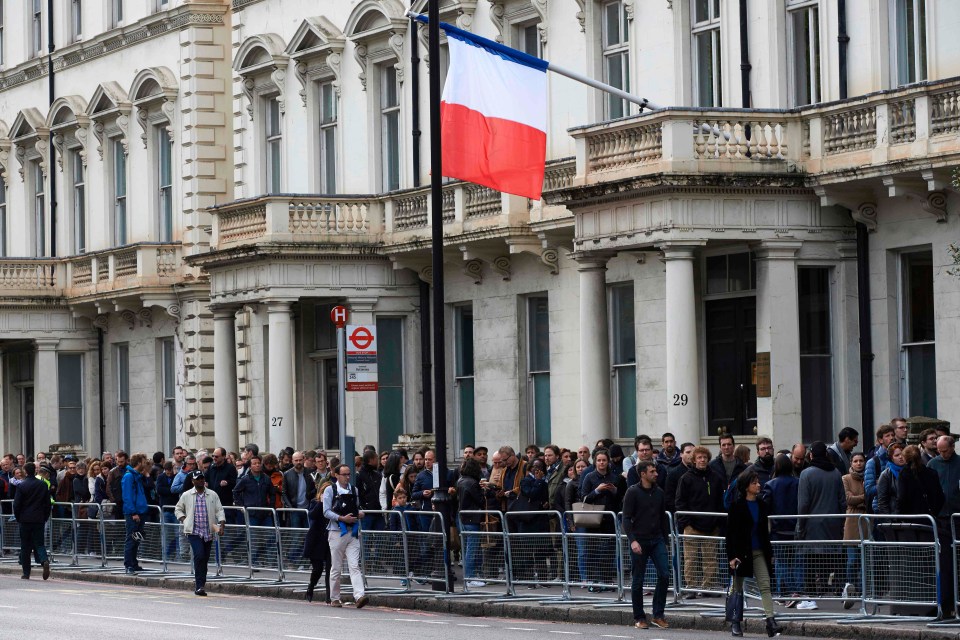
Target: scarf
(820, 460)
(856, 476)
(895, 469)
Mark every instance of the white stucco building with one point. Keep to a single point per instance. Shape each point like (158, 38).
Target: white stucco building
(189, 187)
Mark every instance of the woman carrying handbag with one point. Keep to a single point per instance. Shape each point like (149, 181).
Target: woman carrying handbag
(749, 552)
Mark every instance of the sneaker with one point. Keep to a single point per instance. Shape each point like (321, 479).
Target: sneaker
(690, 596)
(130, 571)
(807, 605)
(473, 584)
(200, 592)
(849, 592)
(46, 570)
(24, 577)
(641, 624)
(362, 602)
(660, 623)
(336, 603)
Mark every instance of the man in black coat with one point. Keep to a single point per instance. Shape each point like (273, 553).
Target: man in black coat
(727, 466)
(675, 473)
(700, 492)
(31, 508)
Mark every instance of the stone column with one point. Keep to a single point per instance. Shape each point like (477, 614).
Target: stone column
(778, 333)
(46, 396)
(683, 362)
(595, 415)
(225, 380)
(280, 361)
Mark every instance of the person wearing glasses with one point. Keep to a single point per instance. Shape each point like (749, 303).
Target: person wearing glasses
(341, 507)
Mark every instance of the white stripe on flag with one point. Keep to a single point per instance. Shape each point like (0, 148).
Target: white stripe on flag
(494, 86)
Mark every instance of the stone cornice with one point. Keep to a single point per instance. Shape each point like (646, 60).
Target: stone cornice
(286, 252)
(490, 233)
(153, 26)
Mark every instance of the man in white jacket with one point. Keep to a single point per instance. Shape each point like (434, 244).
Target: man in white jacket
(200, 512)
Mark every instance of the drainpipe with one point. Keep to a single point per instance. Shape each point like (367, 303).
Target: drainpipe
(415, 110)
(867, 423)
(744, 58)
(51, 47)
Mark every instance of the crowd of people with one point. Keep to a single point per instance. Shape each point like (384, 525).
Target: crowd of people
(731, 495)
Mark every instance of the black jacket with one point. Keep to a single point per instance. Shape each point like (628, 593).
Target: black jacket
(368, 486)
(253, 492)
(291, 486)
(316, 544)
(673, 481)
(471, 499)
(645, 514)
(739, 537)
(32, 503)
(217, 474)
(919, 495)
(633, 476)
(717, 465)
(764, 470)
(700, 491)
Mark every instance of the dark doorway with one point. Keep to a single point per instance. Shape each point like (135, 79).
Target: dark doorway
(331, 405)
(731, 330)
(26, 419)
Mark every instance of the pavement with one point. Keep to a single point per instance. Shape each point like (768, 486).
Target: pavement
(113, 605)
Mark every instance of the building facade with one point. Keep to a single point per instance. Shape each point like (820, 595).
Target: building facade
(189, 187)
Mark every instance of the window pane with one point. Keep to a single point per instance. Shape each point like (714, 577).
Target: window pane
(70, 387)
(918, 294)
(388, 95)
(392, 150)
(705, 69)
(922, 380)
(717, 274)
(541, 408)
(390, 372)
(467, 415)
(328, 103)
(539, 334)
(325, 332)
(624, 335)
(801, 56)
(738, 272)
(169, 369)
(701, 10)
(626, 389)
(816, 397)
(611, 24)
(464, 364)
(329, 161)
(273, 118)
(531, 40)
(813, 284)
(273, 162)
(615, 77)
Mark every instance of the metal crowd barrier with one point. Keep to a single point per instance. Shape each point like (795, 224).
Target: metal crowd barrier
(650, 576)
(292, 527)
(483, 548)
(262, 540)
(384, 552)
(703, 568)
(426, 535)
(599, 563)
(537, 551)
(232, 549)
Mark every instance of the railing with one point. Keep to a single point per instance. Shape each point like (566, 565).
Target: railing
(917, 122)
(31, 276)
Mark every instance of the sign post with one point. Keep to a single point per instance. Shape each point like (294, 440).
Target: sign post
(339, 317)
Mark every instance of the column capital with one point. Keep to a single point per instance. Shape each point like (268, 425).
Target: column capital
(223, 312)
(46, 344)
(778, 249)
(591, 262)
(278, 306)
(364, 304)
(686, 250)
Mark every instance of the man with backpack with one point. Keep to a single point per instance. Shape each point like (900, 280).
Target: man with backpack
(876, 464)
(341, 507)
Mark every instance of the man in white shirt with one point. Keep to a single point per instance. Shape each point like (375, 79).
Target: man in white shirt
(201, 513)
(341, 507)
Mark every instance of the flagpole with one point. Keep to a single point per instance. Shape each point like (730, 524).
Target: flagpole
(440, 496)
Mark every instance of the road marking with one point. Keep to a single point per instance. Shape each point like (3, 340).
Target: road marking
(332, 617)
(608, 636)
(472, 625)
(178, 624)
(211, 606)
(281, 613)
(305, 637)
(6, 606)
(519, 629)
(569, 633)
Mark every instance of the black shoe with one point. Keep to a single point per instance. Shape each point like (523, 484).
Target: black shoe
(773, 629)
(24, 577)
(735, 630)
(362, 602)
(46, 570)
(309, 594)
(130, 571)
(139, 568)
(200, 592)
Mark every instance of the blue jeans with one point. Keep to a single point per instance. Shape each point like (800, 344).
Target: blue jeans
(170, 535)
(472, 544)
(655, 550)
(582, 554)
(131, 545)
(31, 542)
(201, 558)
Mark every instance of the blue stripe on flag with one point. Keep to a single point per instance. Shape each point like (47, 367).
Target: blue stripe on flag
(497, 49)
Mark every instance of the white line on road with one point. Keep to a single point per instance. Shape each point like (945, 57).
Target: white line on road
(332, 617)
(211, 606)
(281, 613)
(6, 606)
(609, 636)
(569, 633)
(305, 637)
(179, 624)
(472, 625)
(519, 629)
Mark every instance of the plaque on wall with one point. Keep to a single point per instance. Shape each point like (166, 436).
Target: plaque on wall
(762, 377)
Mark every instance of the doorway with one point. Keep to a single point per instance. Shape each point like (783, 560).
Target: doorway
(26, 419)
(731, 337)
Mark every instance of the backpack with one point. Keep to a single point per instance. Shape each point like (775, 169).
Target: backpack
(730, 495)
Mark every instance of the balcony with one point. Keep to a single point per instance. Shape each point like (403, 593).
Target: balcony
(912, 130)
(121, 271)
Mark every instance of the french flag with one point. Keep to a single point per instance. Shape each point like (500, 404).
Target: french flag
(494, 115)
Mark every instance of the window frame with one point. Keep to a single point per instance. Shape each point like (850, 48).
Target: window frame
(329, 126)
(614, 107)
(535, 374)
(906, 345)
(78, 199)
(61, 407)
(116, 14)
(166, 212)
(120, 208)
(76, 20)
(903, 56)
(713, 27)
(391, 165)
(464, 377)
(272, 139)
(121, 362)
(4, 222)
(38, 184)
(624, 369)
(36, 29)
(168, 392)
(808, 71)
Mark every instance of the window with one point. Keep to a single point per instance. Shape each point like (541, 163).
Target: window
(538, 368)
(160, 5)
(918, 361)
(328, 138)
(706, 53)
(76, 20)
(325, 332)
(530, 43)
(3, 218)
(624, 359)
(390, 126)
(119, 194)
(164, 184)
(36, 28)
(116, 13)
(2, 22)
(816, 353)
(910, 40)
(123, 394)
(70, 388)
(805, 46)
(731, 273)
(616, 56)
(390, 373)
(168, 398)
(463, 375)
(273, 145)
(79, 202)
(39, 219)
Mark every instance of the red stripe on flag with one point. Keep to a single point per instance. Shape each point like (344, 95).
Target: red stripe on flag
(496, 153)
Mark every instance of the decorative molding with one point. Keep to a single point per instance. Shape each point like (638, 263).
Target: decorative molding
(551, 258)
(497, 11)
(262, 76)
(501, 264)
(316, 40)
(582, 15)
(473, 269)
(130, 317)
(866, 214)
(426, 274)
(146, 317)
(360, 55)
(102, 322)
(173, 310)
(936, 205)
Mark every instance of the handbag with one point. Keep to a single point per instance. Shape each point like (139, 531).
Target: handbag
(587, 520)
(734, 604)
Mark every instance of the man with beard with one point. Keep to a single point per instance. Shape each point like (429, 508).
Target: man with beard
(764, 462)
(669, 456)
(928, 445)
(798, 457)
(727, 465)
